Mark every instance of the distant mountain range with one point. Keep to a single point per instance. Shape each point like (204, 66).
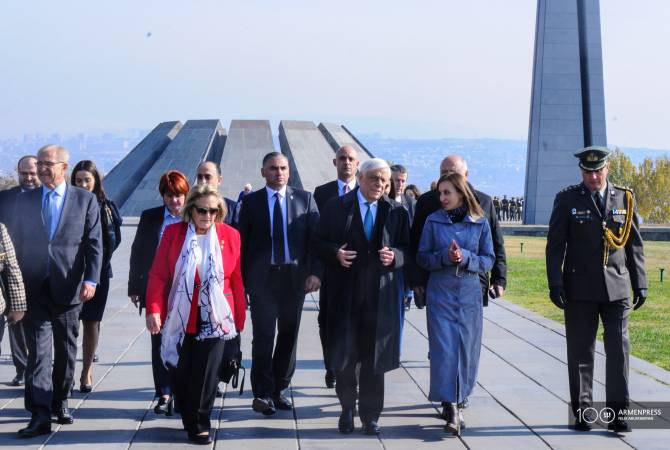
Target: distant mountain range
(497, 166)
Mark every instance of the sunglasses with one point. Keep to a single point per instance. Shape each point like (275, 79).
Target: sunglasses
(203, 211)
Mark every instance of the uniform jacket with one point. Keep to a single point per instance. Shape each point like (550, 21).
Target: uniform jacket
(335, 229)
(11, 276)
(162, 270)
(575, 247)
(254, 227)
(143, 250)
(73, 255)
(427, 204)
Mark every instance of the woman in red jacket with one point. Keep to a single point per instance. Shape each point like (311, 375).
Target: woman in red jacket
(195, 299)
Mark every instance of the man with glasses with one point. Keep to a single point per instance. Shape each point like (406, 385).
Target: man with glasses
(210, 173)
(59, 248)
(28, 180)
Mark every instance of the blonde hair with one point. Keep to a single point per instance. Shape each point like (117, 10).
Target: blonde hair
(199, 191)
(461, 185)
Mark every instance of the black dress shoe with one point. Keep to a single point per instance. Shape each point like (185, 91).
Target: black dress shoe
(331, 380)
(263, 405)
(63, 416)
(371, 427)
(18, 380)
(164, 406)
(200, 439)
(346, 422)
(282, 402)
(85, 388)
(619, 426)
(95, 357)
(582, 425)
(35, 428)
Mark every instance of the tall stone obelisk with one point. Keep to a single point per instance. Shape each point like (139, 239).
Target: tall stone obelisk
(568, 103)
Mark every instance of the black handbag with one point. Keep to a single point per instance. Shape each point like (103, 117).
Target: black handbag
(231, 364)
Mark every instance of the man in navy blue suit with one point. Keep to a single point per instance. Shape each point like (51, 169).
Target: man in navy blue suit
(59, 248)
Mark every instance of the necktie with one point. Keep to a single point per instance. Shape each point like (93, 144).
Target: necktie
(367, 222)
(600, 203)
(47, 213)
(278, 232)
(345, 189)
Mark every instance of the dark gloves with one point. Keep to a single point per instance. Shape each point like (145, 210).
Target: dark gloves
(639, 297)
(557, 296)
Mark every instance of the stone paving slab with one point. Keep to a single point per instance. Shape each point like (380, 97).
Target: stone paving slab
(520, 400)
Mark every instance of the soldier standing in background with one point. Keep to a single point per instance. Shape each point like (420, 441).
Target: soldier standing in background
(594, 257)
(504, 203)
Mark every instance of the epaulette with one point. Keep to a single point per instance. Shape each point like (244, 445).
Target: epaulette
(622, 188)
(574, 187)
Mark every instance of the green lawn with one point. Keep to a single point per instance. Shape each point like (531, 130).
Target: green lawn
(649, 325)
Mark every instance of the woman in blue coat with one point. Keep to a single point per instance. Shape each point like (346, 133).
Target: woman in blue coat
(455, 247)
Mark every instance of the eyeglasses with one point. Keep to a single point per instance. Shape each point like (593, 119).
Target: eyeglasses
(49, 164)
(203, 211)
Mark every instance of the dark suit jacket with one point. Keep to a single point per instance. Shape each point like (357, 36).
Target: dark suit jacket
(75, 252)
(254, 227)
(427, 204)
(231, 205)
(325, 192)
(7, 205)
(143, 250)
(575, 247)
(409, 204)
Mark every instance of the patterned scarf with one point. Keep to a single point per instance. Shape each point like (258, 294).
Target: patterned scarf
(457, 214)
(216, 318)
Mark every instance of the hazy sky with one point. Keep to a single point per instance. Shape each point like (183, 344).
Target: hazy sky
(444, 68)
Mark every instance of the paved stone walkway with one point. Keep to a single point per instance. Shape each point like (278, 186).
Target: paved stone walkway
(520, 400)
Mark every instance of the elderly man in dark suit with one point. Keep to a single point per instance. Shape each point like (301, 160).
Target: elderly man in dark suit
(209, 172)
(59, 248)
(277, 224)
(346, 163)
(28, 180)
(493, 284)
(595, 260)
(363, 237)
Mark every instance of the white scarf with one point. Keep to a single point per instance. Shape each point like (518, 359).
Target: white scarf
(216, 318)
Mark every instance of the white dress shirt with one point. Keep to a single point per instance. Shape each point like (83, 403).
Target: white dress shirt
(271, 208)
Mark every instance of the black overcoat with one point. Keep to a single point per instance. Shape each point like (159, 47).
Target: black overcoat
(332, 232)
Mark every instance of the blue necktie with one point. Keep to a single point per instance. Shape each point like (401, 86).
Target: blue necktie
(47, 213)
(278, 232)
(367, 222)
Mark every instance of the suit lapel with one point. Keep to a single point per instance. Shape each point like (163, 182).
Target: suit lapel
(291, 214)
(263, 199)
(67, 205)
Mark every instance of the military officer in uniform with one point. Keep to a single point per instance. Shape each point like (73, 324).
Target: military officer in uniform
(595, 259)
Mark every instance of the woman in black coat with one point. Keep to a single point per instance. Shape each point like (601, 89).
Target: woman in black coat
(173, 187)
(86, 176)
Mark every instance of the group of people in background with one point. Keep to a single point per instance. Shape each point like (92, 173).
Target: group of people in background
(508, 210)
(367, 241)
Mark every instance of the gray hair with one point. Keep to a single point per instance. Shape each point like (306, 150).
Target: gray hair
(374, 164)
(62, 153)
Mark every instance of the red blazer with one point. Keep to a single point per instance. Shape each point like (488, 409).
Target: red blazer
(162, 271)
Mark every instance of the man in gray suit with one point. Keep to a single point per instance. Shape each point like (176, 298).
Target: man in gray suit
(277, 224)
(28, 180)
(59, 247)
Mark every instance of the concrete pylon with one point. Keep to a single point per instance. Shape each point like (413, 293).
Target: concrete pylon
(568, 103)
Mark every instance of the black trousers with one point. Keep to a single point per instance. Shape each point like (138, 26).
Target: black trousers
(161, 375)
(47, 388)
(195, 381)
(321, 321)
(581, 326)
(371, 384)
(17, 344)
(277, 309)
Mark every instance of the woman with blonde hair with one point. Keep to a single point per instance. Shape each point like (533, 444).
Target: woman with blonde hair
(196, 300)
(455, 247)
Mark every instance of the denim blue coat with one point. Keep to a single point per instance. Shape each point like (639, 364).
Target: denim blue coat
(454, 302)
